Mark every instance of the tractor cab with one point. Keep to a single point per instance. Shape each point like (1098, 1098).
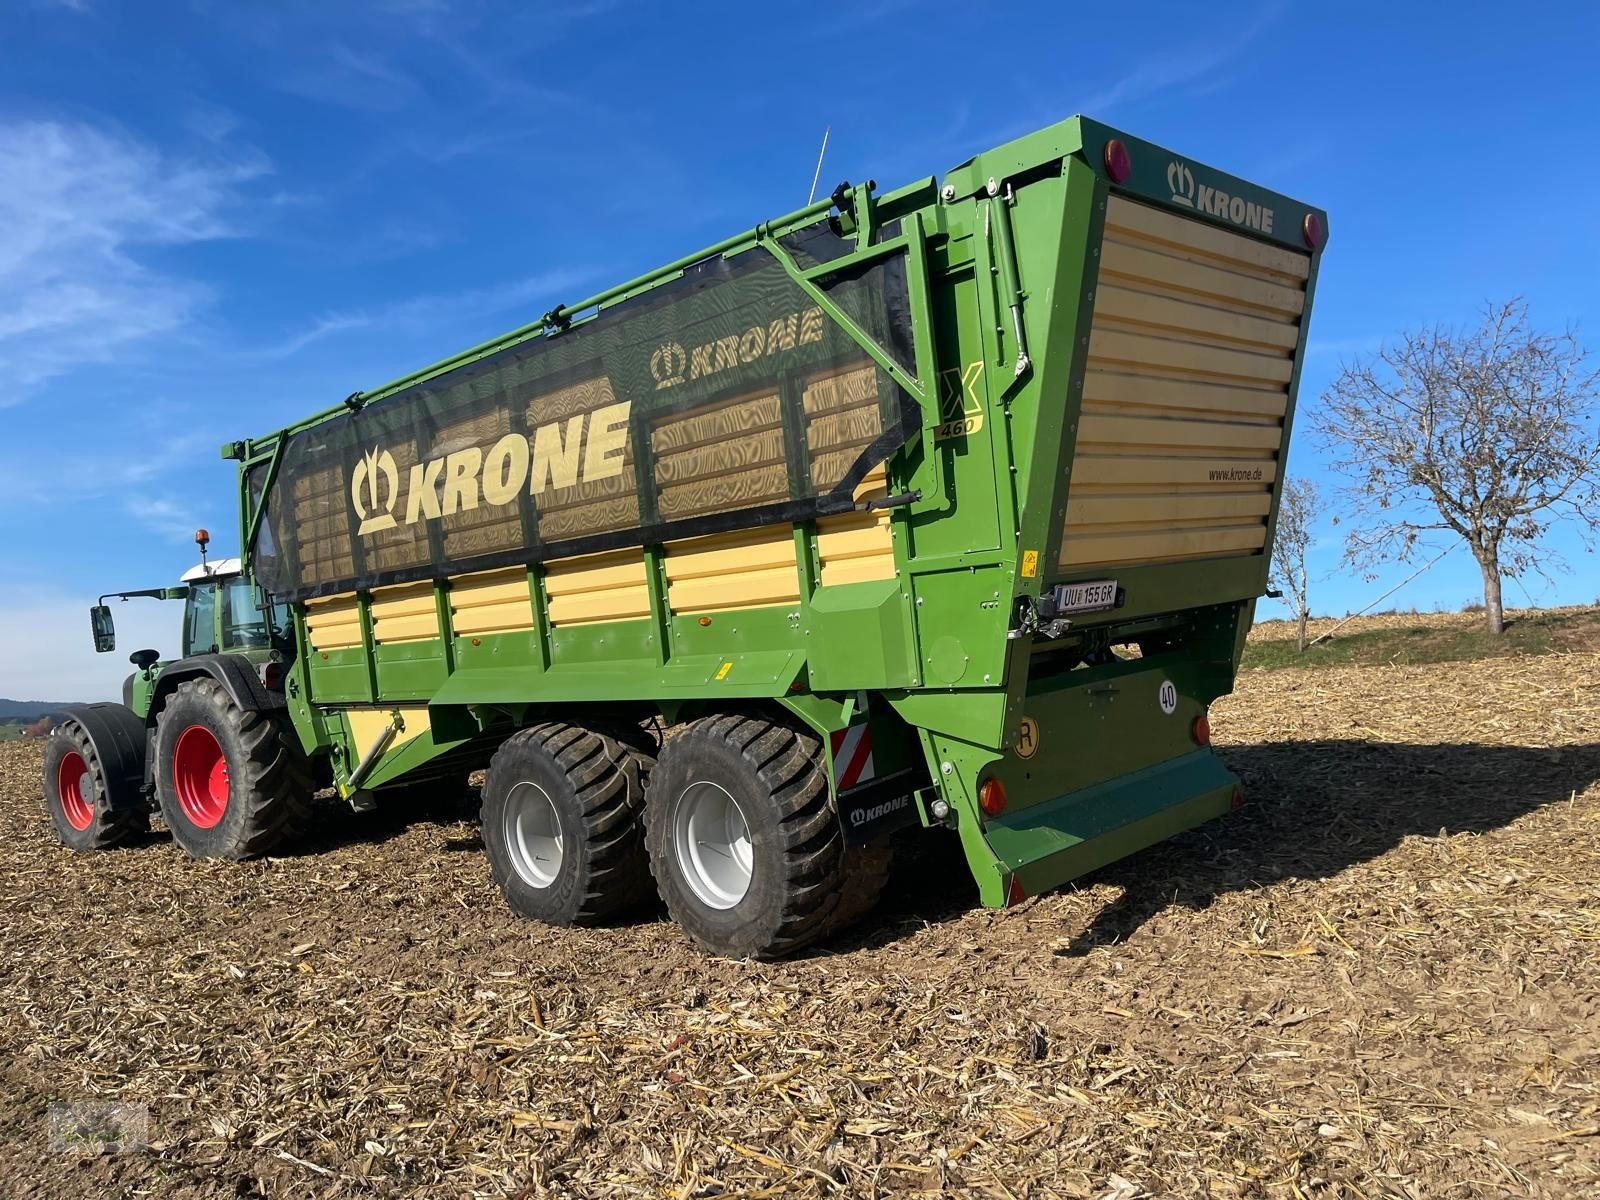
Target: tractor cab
(223, 613)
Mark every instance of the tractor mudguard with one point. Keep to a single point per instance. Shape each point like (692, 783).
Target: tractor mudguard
(234, 672)
(118, 738)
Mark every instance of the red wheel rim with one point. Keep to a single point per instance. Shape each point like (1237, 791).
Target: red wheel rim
(69, 790)
(200, 776)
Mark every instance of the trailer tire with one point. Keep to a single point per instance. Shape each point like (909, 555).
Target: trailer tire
(561, 828)
(78, 798)
(866, 875)
(232, 782)
(776, 879)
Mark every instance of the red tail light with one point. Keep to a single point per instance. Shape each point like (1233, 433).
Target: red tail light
(1237, 800)
(1311, 229)
(1201, 731)
(1015, 894)
(272, 676)
(992, 797)
(1118, 165)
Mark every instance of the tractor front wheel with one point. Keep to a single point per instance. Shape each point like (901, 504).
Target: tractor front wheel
(231, 783)
(77, 795)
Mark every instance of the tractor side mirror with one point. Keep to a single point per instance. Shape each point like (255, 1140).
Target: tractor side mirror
(105, 630)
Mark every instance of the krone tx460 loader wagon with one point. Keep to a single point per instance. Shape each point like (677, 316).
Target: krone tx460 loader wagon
(944, 506)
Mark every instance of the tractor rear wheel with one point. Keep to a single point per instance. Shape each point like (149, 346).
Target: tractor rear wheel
(77, 795)
(231, 783)
(561, 807)
(744, 846)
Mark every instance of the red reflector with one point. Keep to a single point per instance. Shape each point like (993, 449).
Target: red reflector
(272, 677)
(1237, 800)
(1015, 893)
(1118, 165)
(1201, 731)
(992, 797)
(1311, 228)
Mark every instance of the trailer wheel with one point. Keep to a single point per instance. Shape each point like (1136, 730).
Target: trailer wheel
(746, 851)
(77, 796)
(561, 808)
(231, 783)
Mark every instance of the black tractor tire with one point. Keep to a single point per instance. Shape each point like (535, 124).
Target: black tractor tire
(77, 797)
(561, 822)
(232, 783)
(797, 872)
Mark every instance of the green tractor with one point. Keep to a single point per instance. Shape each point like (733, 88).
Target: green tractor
(189, 730)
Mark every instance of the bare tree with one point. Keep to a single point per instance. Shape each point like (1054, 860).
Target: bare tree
(1297, 509)
(1488, 433)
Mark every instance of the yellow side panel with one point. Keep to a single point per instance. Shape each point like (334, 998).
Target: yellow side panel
(1190, 356)
(1098, 433)
(728, 571)
(404, 614)
(1088, 550)
(333, 623)
(492, 602)
(1144, 354)
(1105, 390)
(367, 723)
(1099, 512)
(597, 587)
(1127, 220)
(858, 547)
(1164, 315)
(1133, 266)
(1176, 472)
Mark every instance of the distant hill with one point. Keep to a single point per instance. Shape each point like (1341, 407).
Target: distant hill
(12, 710)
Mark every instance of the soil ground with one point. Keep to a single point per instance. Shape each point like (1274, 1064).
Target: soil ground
(1380, 978)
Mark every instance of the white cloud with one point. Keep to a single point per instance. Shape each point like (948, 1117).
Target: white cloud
(1193, 68)
(79, 205)
(31, 476)
(46, 652)
(428, 313)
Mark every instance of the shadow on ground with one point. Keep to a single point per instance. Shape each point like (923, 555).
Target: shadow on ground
(1312, 810)
(1315, 808)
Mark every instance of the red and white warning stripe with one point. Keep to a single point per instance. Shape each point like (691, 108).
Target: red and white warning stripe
(852, 756)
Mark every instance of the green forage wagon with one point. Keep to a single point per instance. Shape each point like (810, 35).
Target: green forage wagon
(940, 506)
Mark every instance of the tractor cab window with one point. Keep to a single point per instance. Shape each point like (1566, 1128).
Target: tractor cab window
(199, 621)
(244, 626)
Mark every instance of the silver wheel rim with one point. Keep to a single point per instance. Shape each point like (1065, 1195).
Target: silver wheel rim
(712, 843)
(533, 835)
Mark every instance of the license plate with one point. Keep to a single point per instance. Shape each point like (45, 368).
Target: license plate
(1086, 597)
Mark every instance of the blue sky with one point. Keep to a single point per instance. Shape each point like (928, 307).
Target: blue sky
(223, 218)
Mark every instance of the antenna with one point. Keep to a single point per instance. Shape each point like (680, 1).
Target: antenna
(818, 173)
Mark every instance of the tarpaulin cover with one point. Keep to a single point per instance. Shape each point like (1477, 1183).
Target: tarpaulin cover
(722, 400)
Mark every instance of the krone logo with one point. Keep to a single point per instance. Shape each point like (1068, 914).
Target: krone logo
(1180, 180)
(668, 364)
(375, 490)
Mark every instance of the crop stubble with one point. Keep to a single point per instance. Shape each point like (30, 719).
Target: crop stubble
(1378, 979)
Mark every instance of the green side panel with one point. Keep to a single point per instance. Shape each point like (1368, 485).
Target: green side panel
(341, 676)
(410, 670)
(857, 635)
